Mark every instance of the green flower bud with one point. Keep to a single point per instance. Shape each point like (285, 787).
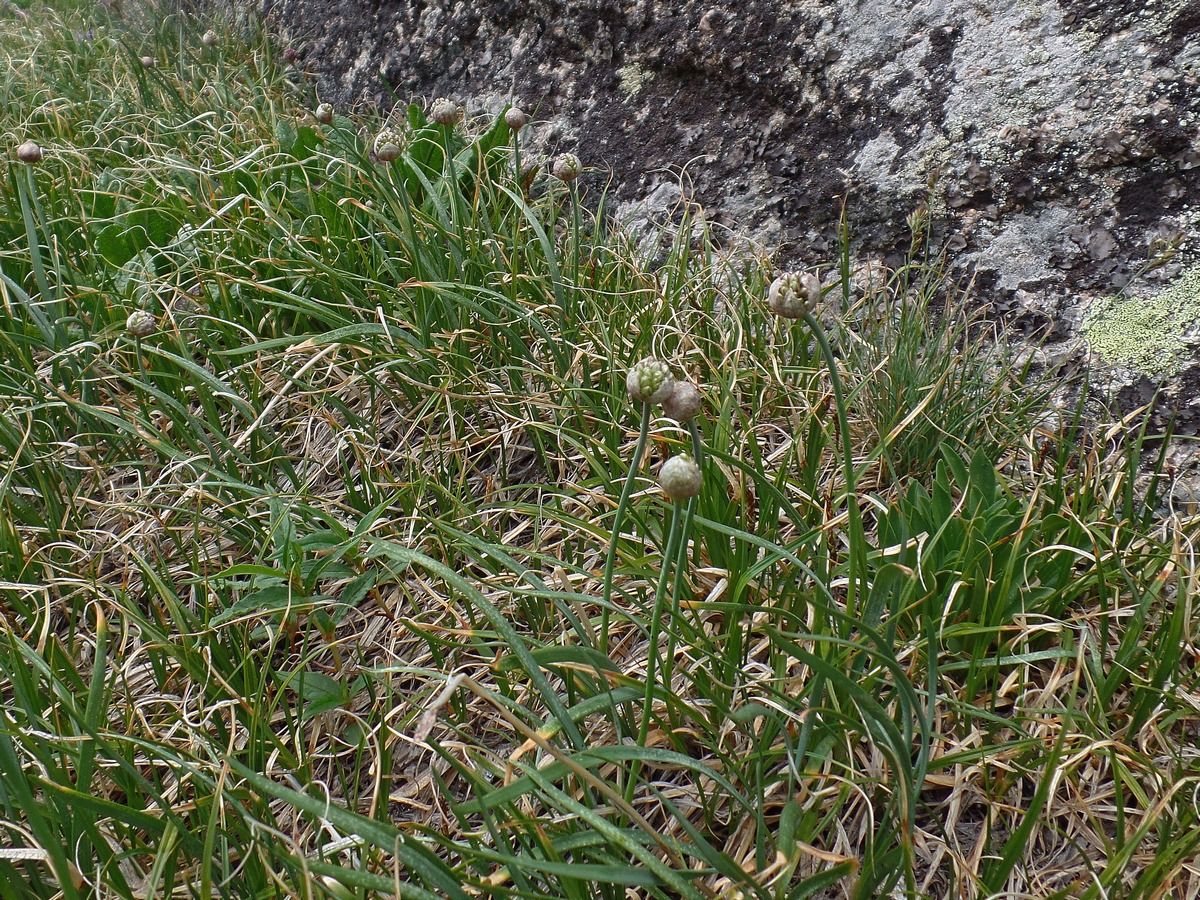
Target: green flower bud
(141, 323)
(793, 294)
(684, 401)
(680, 477)
(387, 145)
(444, 111)
(649, 381)
(515, 118)
(566, 167)
(29, 153)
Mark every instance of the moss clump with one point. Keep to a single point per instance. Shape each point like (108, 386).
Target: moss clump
(1151, 335)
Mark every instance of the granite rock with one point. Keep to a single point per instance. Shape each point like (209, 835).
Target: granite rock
(1055, 143)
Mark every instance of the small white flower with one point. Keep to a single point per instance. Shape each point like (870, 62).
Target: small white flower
(324, 113)
(684, 401)
(680, 477)
(649, 381)
(793, 294)
(566, 167)
(141, 323)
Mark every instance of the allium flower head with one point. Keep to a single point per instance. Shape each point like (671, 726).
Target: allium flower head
(324, 113)
(141, 323)
(515, 118)
(209, 38)
(148, 62)
(684, 401)
(566, 167)
(680, 477)
(649, 381)
(29, 152)
(793, 294)
(444, 111)
(387, 145)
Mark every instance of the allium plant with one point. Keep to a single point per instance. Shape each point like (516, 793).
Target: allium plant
(680, 479)
(795, 295)
(648, 382)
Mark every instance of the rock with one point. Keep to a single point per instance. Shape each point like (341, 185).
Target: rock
(1058, 135)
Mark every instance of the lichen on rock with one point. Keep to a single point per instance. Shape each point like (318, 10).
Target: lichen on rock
(1154, 336)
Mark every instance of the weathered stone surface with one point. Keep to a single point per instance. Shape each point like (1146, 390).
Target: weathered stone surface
(1062, 139)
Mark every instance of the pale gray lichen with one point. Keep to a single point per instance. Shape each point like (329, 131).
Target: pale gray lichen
(633, 78)
(1150, 335)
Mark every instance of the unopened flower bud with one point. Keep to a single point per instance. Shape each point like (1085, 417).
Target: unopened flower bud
(684, 401)
(141, 323)
(324, 113)
(515, 118)
(566, 167)
(444, 111)
(209, 38)
(649, 381)
(793, 294)
(290, 54)
(680, 477)
(387, 145)
(29, 152)
(148, 62)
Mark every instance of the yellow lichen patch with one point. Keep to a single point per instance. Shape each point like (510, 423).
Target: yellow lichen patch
(1147, 334)
(633, 79)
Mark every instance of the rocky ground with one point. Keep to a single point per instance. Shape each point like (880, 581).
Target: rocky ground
(1056, 144)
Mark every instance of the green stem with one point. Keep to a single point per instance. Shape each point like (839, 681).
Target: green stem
(451, 176)
(26, 192)
(575, 229)
(516, 222)
(660, 594)
(858, 541)
(618, 519)
(141, 394)
(681, 559)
